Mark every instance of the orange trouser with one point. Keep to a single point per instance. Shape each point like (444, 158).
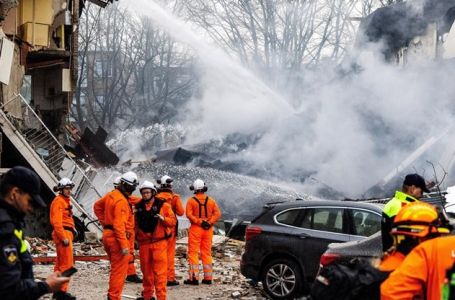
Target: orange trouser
(153, 259)
(119, 266)
(131, 266)
(200, 240)
(171, 242)
(64, 259)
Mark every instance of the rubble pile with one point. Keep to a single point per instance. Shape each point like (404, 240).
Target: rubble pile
(42, 248)
(91, 280)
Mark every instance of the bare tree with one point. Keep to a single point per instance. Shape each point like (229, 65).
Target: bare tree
(131, 73)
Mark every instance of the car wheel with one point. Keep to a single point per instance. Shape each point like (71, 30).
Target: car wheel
(282, 279)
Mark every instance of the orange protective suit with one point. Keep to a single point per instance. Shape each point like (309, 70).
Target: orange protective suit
(199, 208)
(391, 261)
(132, 200)
(152, 253)
(61, 218)
(177, 207)
(117, 214)
(422, 271)
(98, 209)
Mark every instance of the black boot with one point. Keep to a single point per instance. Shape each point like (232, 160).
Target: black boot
(63, 296)
(206, 281)
(133, 278)
(193, 281)
(172, 283)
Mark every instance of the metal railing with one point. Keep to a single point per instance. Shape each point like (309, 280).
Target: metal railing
(54, 156)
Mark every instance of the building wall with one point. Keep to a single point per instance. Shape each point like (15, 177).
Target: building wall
(7, 92)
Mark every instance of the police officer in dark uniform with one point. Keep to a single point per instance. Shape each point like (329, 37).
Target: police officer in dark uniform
(19, 193)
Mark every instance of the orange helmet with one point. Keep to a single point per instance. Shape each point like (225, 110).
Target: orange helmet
(418, 219)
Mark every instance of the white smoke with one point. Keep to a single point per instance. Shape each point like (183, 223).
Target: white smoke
(348, 130)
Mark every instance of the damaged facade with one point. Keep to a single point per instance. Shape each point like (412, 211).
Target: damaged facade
(412, 31)
(38, 72)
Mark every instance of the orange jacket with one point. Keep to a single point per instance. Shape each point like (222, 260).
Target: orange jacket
(391, 261)
(173, 199)
(162, 229)
(61, 215)
(206, 209)
(117, 213)
(98, 208)
(422, 271)
(132, 200)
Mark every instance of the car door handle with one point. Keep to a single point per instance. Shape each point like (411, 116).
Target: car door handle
(303, 236)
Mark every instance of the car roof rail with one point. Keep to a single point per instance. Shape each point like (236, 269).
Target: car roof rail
(272, 204)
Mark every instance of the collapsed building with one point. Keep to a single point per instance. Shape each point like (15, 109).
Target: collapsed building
(38, 72)
(408, 33)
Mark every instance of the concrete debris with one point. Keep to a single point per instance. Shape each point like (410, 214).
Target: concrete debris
(91, 281)
(40, 247)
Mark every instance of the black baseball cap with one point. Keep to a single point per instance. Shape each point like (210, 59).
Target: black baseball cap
(27, 180)
(417, 180)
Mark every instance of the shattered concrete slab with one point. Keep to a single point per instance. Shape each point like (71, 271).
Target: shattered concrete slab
(91, 281)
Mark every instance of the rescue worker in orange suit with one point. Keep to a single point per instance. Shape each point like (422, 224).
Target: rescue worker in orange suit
(427, 270)
(117, 213)
(155, 221)
(61, 218)
(415, 223)
(131, 274)
(203, 212)
(98, 209)
(413, 187)
(165, 192)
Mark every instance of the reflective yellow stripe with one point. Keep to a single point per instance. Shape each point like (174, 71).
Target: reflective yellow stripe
(392, 207)
(194, 272)
(18, 234)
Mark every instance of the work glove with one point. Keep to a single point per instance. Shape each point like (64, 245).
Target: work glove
(65, 242)
(159, 217)
(125, 251)
(205, 225)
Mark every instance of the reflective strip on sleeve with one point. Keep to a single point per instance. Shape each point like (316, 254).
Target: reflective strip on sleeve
(18, 234)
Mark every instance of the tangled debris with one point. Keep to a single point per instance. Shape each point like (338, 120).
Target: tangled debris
(91, 281)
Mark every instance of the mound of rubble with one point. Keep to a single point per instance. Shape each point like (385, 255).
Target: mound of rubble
(91, 281)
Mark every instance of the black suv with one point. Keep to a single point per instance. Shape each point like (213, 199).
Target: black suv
(285, 242)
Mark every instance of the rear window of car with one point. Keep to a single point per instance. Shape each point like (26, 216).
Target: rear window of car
(324, 218)
(288, 217)
(328, 219)
(365, 222)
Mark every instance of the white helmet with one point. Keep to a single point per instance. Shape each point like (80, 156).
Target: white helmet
(198, 185)
(147, 185)
(117, 181)
(65, 182)
(129, 178)
(165, 181)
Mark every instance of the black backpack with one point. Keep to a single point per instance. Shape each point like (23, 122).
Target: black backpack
(146, 220)
(355, 280)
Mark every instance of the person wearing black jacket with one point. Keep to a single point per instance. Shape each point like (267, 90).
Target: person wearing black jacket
(19, 194)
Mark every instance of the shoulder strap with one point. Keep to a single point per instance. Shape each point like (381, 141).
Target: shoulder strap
(202, 205)
(159, 203)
